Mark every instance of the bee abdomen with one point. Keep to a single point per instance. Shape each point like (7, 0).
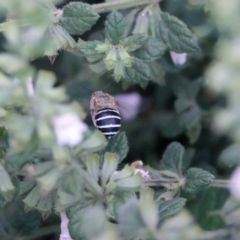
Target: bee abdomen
(108, 121)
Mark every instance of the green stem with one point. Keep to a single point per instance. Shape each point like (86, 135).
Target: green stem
(121, 4)
(221, 183)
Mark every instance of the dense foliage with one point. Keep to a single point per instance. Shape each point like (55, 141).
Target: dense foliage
(173, 66)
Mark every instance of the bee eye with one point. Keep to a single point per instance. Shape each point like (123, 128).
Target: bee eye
(108, 121)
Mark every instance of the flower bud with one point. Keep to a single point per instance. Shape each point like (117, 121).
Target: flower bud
(111, 59)
(125, 57)
(118, 71)
(178, 58)
(104, 47)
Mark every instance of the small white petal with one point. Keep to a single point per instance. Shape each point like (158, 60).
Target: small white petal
(29, 87)
(178, 58)
(129, 104)
(64, 228)
(234, 183)
(69, 129)
(145, 174)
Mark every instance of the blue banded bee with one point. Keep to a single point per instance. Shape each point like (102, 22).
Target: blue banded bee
(105, 114)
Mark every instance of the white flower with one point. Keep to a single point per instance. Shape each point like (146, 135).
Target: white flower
(144, 173)
(69, 129)
(234, 181)
(178, 58)
(29, 87)
(129, 104)
(64, 228)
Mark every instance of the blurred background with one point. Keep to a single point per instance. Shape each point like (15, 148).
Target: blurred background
(178, 106)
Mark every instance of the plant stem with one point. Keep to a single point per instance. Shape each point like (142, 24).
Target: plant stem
(219, 183)
(121, 4)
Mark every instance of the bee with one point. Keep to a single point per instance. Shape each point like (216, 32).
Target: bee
(105, 114)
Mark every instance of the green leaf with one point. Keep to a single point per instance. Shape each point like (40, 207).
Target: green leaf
(109, 165)
(132, 182)
(172, 158)
(171, 207)
(5, 181)
(131, 225)
(86, 222)
(191, 118)
(138, 72)
(148, 208)
(88, 49)
(49, 179)
(11, 63)
(72, 182)
(196, 179)
(175, 34)
(20, 222)
(120, 198)
(15, 161)
(44, 203)
(115, 27)
(151, 50)
(78, 17)
(134, 42)
(229, 157)
(127, 171)
(92, 163)
(119, 145)
(94, 142)
(202, 209)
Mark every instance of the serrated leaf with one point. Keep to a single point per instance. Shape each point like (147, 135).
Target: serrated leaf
(175, 34)
(151, 50)
(119, 145)
(78, 17)
(26, 185)
(115, 27)
(171, 207)
(172, 158)
(60, 39)
(196, 179)
(138, 72)
(44, 203)
(109, 165)
(92, 163)
(230, 157)
(134, 42)
(88, 49)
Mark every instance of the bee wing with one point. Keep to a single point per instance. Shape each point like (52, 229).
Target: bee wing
(129, 105)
